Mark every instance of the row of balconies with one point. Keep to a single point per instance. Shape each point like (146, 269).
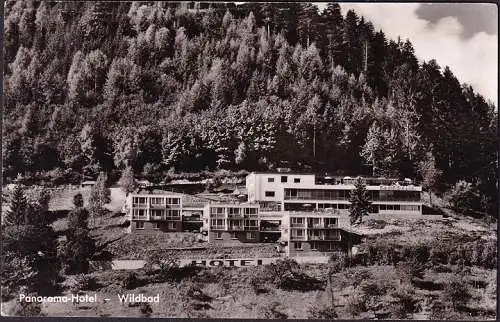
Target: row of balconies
(154, 206)
(313, 238)
(234, 228)
(156, 217)
(316, 226)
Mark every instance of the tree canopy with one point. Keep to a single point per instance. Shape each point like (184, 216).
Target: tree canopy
(93, 87)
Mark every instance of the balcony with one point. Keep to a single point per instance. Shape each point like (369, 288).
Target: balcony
(140, 217)
(251, 228)
(218, 227)
(239, 228)
(325, 238)
(235, 216)
(297, 238)
(271, 229)
(140, 205)
(173, 218)
(297, 225)
(157, 206)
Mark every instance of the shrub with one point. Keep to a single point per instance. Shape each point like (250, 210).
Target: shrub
(355, 305)
(287, 275)
(409, 270)
(322, 312)
(145, 309)
(405, 302)
(337, 262)
(377, 224)
(86, 283)
(130, 281)
(457, 291)
(273, 311)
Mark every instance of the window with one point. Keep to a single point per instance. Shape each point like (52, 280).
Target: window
(270, 179)
(295, 220)
(251, 223)
(284, 179)
(234, 236)
(173, 201)
(331, 246)
(157, 201)
(234, 211)
(157, 213)
(269, 193)
(218, 235)
(314, 246)
(139, 200)
(173, 213)
(251, 235)
(139, 224)
(217, 210)
(250, 211)
(296, 180)
(139, 213)
(156, 225)
(171, 225)
(297, 245)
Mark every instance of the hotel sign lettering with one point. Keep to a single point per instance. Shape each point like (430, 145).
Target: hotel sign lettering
(227, 262)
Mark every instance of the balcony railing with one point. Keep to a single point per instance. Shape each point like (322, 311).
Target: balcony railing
(236, 228)
(172, 218)
(277, 228)
(140, 205)
(218, 227)
(293, 238)
(235, 216)
(326, 237)
(144, 217)
(297, 225)
(157, 205)
(251, 228)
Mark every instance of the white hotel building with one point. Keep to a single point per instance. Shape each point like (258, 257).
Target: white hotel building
(299, 192)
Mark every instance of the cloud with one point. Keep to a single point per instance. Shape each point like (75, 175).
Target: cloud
(473, 60)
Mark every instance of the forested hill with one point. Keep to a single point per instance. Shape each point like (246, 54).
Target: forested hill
(103, 85)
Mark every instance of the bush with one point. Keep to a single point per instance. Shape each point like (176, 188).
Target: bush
(145, 309)
(355, 305)
(337, 262)
(273, 311)
(409, 270)
(324, 312)
(86, 283)
(287, 275)
(376, 224)
(457, 291)
(130, 281)
(405, 302)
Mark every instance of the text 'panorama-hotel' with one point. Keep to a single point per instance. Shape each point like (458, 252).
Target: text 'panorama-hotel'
(305, 211)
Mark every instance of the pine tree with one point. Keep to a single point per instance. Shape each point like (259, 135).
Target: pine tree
(127, 181)
(18, 212)
(80, 246)
(360, 204)
(99, 195)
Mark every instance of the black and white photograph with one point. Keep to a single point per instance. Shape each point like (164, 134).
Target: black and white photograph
(249, 160)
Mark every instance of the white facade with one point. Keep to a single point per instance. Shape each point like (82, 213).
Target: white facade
(153, 207)
(296, 192)
(269, 186)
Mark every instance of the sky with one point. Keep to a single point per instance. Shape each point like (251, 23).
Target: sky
(461, 36)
